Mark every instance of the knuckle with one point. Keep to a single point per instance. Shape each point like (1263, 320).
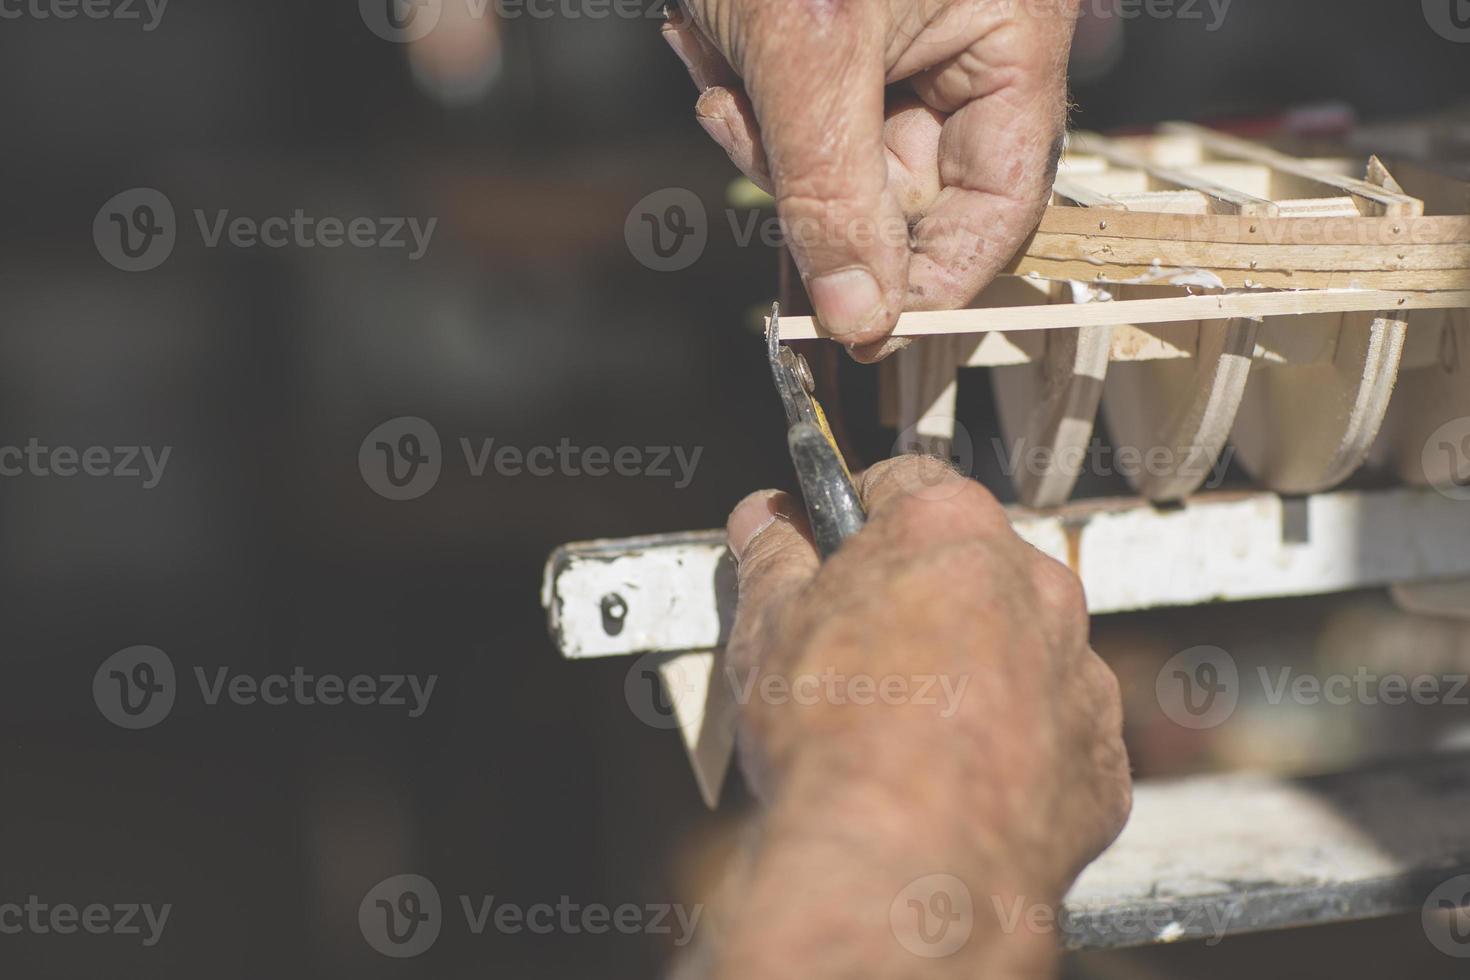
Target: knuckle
(1109, 694)
(918, 493)
(1060, 592)
(911, 514)
(766, 558)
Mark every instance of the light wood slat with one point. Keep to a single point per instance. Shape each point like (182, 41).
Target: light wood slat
(1376, 198)
(1234, 229)
(1105, 249)
(1221, 306)
(1265, 278)
(1228, 200)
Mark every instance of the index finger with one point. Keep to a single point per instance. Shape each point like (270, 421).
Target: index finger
(998, 154)
(815, 75)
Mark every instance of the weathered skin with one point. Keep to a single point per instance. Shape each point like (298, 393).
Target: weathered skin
(910, 141)
(1012, 791)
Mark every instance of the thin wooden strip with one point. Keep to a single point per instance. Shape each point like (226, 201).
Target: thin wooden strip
(1239, 149)
(1228, 200)
(1223, 306)
(1071, 189)
(1108, 250)
(1243, 230)
(1427, 280)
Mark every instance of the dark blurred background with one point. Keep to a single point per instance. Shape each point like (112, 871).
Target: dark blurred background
(529, 320)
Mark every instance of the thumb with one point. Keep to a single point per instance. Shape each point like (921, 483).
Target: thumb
(815, 74)
(769, 539)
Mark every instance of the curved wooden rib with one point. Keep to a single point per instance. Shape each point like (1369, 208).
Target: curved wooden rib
(1304, 428)
(1047, 408)
(1197, 234)
(1427, 433)
(1430, 418)
(1169, 419)
(1175, 415)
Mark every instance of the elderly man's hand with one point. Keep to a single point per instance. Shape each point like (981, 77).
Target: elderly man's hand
(910, 144)
(954, 720)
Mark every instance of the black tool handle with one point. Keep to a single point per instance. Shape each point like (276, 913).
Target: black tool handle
(832, 504)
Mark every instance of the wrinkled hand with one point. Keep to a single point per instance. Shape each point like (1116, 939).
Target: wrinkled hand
(910, 144)
(1029, 757)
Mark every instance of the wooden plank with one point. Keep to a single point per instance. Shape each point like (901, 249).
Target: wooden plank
(1226, 200)
(1105, 250)
(1374, 199)
(679, 590)
(1221, 306)
(1230, 278)
(1214, 856)
(1242, 230)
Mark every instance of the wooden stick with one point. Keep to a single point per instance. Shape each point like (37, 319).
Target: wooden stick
(1225, 306)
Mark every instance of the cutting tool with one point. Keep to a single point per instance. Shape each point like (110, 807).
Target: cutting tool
(832, 503)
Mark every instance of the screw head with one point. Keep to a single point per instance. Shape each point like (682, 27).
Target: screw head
(614, 612)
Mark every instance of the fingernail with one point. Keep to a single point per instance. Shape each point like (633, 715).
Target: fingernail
(846, 301)
(873, 353)
(751, 516)
(718, 129)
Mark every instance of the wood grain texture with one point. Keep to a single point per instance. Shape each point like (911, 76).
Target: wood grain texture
(1207, 306)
